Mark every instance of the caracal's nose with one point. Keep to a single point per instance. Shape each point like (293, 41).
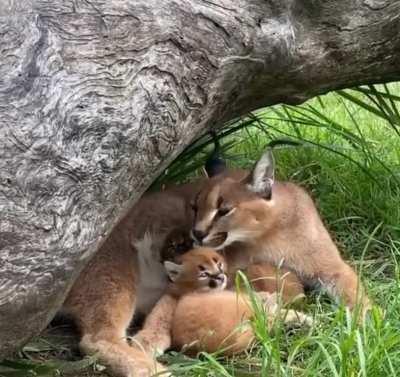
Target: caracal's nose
(199, 235)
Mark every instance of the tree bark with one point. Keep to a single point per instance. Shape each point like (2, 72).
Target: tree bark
(98, 97)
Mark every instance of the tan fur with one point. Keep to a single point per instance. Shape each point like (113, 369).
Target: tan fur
(209, 319)
(284, 229)
(103, 299)
(264, 277)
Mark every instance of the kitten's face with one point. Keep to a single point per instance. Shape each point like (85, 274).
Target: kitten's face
(200, 270)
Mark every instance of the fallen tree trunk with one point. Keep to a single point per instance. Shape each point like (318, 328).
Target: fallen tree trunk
(98, 97)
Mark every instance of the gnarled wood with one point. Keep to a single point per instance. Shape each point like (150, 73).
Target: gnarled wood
(97, 97)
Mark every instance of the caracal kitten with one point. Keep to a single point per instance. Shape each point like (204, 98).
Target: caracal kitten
(205, 316)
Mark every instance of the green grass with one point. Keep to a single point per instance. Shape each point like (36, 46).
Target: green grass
(348, 157)
(349, 160)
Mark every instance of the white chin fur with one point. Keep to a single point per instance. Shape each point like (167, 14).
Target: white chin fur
(223, 285)
(216, 289)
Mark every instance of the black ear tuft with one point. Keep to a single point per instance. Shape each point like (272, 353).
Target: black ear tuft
(215, 165)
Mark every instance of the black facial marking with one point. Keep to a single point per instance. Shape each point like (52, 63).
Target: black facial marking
(222, 208)
(194, 201)
(193, 206)
(222, 211)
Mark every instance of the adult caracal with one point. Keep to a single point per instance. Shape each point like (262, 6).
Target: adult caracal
(255, 219)
(127, 276)
(205, 317)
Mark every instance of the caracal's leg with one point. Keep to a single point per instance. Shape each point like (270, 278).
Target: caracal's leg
(102, 301)
(341, 281)
(155, 336)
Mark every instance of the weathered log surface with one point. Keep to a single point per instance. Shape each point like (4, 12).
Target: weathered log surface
(97, 97)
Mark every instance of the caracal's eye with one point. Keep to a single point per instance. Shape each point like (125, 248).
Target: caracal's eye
(222, 211)
(220, 266)
(222, 208)
(203, 275)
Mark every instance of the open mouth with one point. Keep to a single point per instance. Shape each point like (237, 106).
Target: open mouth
(217, 283)
(222, 283)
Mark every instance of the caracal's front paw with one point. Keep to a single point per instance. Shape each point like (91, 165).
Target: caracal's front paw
(150, 342)
(270, 302)
(368, 312)
(360, 310)
(305, 320)
(293, 317)
(161, 371)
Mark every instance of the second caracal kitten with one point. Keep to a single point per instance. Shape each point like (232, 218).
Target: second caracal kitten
(207, 317)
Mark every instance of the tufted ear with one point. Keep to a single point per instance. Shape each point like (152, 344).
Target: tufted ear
(173, 270)
(215, 164)
(262, 177)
